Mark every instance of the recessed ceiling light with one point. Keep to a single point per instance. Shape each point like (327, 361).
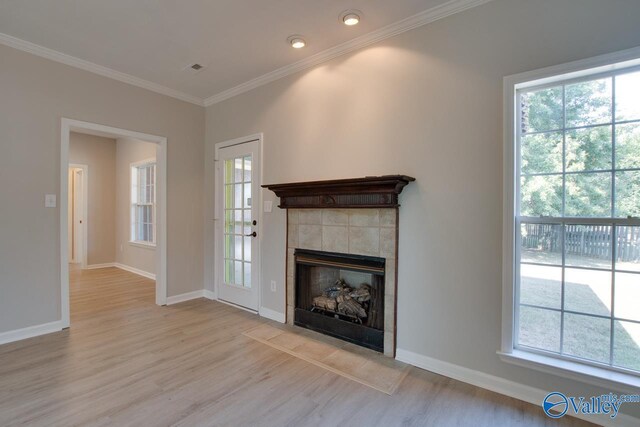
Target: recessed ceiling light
(350, 17)
(296, 42)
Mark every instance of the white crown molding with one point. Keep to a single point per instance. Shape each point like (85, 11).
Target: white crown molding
(430, 15)
(72, 61)
(425, 17)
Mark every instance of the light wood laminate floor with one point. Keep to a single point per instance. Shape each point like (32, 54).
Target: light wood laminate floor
(126, 361)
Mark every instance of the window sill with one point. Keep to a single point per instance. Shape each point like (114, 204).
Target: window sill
(143, 245)
(612, 380)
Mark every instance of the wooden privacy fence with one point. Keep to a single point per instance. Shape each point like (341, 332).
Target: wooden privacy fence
(592, 241)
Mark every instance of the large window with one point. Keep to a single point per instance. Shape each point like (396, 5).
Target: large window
(577, 219)
(143, 202)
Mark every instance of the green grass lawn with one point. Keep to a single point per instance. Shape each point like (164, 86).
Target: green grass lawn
(584, 336)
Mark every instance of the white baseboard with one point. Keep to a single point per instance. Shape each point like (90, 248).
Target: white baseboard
(30, 332)
(135, 271)
(185, 297)
(189, 296)
(500, 385)
(96, 266)
(272, 314)
(263, 311)
(230, 304)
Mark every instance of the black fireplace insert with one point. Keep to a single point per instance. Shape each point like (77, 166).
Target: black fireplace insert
(341, 295)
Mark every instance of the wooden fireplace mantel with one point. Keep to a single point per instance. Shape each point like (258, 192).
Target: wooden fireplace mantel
(367, 192)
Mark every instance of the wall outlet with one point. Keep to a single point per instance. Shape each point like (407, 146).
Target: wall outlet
(273, 286)
(121, 247)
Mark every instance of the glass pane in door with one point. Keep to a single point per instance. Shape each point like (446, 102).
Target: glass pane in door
(237, 221)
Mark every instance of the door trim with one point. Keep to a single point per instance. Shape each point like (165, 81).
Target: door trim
(85, 212)
(69, 125)
(218, 216)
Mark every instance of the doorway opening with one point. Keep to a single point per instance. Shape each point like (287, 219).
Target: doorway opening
(108, 212)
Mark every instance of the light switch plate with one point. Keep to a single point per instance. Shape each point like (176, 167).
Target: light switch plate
(268, 205)
(50, 201)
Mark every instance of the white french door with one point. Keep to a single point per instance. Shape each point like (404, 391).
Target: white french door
(237, 254)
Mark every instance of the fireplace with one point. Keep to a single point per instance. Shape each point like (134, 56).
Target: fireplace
(341, 295)
(342, 234)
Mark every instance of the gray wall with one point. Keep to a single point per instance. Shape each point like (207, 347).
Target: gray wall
(426, 103)
(99, 154)
(141, 257)
(36, 94)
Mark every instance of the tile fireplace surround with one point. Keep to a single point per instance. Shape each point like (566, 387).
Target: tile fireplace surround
(356, 216)
(366, 231)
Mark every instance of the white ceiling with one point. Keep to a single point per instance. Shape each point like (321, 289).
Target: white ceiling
(154, 40)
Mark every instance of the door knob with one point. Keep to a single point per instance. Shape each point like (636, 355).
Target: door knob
(254, 234)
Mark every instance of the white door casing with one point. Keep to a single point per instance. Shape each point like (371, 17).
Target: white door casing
(71, 125)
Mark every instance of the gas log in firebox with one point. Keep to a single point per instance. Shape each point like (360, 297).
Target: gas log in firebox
(341, 295)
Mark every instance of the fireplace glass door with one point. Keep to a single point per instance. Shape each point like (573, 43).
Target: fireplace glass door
(341, 295)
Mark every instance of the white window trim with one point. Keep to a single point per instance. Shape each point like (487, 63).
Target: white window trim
(140, 243)
(600, 376)
(143, 245)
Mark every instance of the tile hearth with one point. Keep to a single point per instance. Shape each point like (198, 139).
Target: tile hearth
(364, 366)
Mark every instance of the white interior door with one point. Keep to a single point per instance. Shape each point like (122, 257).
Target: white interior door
(70, 223)
(78, 215)
(238, 189)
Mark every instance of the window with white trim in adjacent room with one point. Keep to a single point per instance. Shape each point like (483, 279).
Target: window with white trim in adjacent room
(143, 202)
(574, 230)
